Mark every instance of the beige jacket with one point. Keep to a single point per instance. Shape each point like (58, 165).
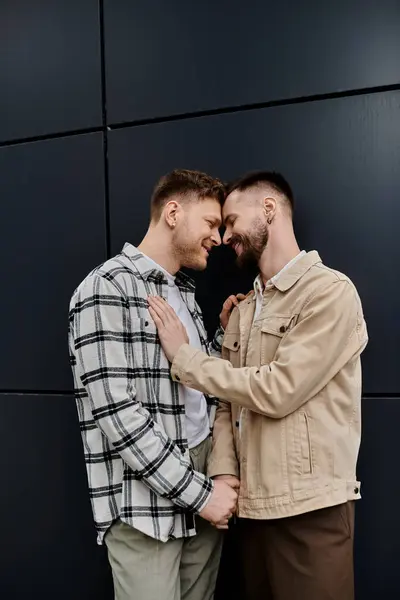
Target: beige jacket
(291, 381)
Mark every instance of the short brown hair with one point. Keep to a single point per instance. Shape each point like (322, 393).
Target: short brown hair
(259, 178)
(182, 182)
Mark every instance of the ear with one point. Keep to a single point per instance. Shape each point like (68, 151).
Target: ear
(269, 205)
(172, 213)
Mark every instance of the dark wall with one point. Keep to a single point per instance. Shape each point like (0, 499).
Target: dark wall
(97, 100)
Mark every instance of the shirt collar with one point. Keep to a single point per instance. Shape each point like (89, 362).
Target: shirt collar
(149, 270)
(156, 267)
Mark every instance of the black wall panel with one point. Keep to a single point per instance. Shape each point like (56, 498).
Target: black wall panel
(164, 59)
(342, 157)
(49, 546)
(377, 543)
(63, 65)
(52, 232)
(50, 72)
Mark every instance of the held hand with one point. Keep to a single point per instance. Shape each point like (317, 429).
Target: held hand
(171, 332)
(221, 505)
(228, 307)
(233, 482)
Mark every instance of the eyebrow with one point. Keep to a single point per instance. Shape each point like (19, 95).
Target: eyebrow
(230, 217)
(214, 220)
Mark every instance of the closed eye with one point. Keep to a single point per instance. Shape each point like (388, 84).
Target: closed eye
(213, 224)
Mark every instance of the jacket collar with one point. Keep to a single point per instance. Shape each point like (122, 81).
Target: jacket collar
(295, 272)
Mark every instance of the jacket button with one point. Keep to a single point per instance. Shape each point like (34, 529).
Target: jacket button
(356, 490)
(282, 329)
(177, 378)
(146, 323)
(235, 344)
(237, 423)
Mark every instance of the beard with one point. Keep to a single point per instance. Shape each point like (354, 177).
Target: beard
(253, 244)
(189, 253)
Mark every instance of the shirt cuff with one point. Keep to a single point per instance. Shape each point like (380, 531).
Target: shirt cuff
(197, 494)
(181, 362)
(216, 344)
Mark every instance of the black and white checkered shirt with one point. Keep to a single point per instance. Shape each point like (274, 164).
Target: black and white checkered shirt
(131, 415)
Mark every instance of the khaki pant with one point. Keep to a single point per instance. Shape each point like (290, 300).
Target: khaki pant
(184, 569)
(307, 557)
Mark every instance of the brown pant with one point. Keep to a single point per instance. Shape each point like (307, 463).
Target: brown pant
(306, 557)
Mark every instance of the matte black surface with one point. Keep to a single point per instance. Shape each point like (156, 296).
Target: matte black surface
(342, 158)
(49, 546)
(52, 232)
(165, 59)
(49, 67)
(377, 543)
(178, 58)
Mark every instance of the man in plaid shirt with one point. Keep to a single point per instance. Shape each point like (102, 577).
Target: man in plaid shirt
(146, 438)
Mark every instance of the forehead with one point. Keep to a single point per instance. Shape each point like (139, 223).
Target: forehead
(207, 206)
(239, 202)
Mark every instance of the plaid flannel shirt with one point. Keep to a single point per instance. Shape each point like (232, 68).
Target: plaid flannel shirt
(131, 415)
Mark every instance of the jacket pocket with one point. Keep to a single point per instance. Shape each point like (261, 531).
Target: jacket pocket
(273, 329)
(304, 444)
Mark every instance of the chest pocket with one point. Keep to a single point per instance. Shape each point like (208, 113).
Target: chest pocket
(145, 344)
(273, 329)
(231, 347)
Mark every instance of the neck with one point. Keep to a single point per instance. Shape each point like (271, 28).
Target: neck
(157, 246)
(282, 247)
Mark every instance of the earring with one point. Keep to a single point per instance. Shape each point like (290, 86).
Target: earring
(269, 220)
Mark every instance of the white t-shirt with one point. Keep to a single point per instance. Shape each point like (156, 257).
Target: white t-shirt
(197, 421)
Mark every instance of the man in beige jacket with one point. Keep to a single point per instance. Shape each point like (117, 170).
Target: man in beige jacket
(289, 381)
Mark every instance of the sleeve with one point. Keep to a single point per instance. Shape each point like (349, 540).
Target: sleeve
(223, 460)
(329, 333)
(102, 337)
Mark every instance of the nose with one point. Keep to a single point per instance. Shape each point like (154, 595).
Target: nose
(227, 237)
(216, 238)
